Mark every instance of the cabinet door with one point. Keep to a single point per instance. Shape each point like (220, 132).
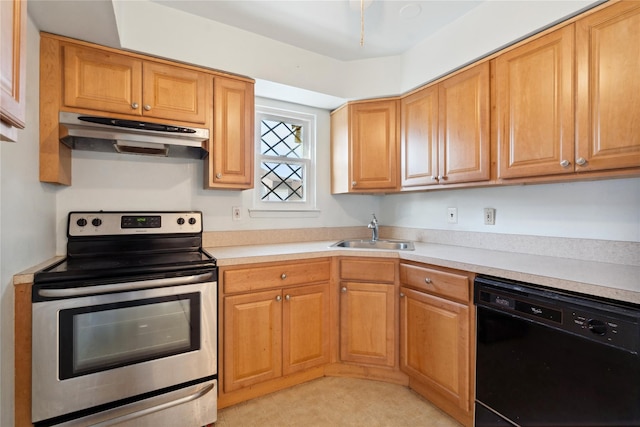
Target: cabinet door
(12, 64)
(534, 107)
(464, 145)
(252, 339)
(434, 344)
(231, 164)
(174, 93)
(367, 323)
(102, 80)
(419, 138)
(374, 145)
(305, 320)
(608, 98)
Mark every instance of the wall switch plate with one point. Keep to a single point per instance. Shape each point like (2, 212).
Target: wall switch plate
(489, 216)
(452, 215)
(236, 213)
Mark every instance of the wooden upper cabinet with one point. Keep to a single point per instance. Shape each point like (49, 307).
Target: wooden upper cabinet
(174, 93)
(464, 127)
(534, 107)
(105, 81)
(608, 89)
(365, 147)
(419, 137)
(374, 145)
(13, 48)
(101, 80)
(232, 145)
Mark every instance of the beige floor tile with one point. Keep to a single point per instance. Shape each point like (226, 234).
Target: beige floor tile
(337, 402)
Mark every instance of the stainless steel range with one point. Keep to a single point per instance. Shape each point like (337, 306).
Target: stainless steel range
(124, 328)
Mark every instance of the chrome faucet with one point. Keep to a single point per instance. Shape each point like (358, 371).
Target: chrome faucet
(373, 225)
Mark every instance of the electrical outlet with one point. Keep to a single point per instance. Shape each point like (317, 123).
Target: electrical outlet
(489, 216)
(236, 213)
(452, 215)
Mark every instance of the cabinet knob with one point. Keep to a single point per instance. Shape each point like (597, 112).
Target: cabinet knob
(283, 276)
(218, 175)
(441, 177)
(434, 178)
(287, 297)
(401, 294)
(565, 163)
(278, 298)
(147, 107)
(343, 289)
(134, 105)
(581, 161)
(354, 183)
(427, 280)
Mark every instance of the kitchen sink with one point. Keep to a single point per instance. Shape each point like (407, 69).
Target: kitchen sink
(402, 245)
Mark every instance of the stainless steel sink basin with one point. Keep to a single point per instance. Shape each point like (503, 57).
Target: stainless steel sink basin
(398, 245)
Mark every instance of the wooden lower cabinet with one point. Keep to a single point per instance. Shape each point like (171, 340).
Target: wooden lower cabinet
(272, 337)
(436, 339)
(367, 323)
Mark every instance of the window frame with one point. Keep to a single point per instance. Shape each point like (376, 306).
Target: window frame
(292, 208)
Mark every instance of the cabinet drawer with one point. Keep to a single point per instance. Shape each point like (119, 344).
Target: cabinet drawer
(272, 276)
(449, 285)
(377, 270)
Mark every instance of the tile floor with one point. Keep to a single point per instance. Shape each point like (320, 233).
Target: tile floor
(337, 402)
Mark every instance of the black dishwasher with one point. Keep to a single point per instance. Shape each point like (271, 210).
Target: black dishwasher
(548, 358)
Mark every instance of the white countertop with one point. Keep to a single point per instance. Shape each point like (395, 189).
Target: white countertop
(615, 281)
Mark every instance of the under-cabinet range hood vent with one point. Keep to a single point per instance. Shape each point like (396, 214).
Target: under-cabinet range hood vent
(94, 133)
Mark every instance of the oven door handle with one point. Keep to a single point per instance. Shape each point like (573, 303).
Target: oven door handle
(120, 287)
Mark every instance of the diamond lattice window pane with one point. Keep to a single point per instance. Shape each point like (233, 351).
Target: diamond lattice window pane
(281, 139)
(282, 181)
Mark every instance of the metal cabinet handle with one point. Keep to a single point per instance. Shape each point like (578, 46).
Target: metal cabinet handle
(287, 297)
(134, 105)
(434, 178)
(354, 183)
(565, 163)
(427, 280)
(343, 289)
(218, 175)
(278, 298)
(441, 177)
(581, 161)
(401, 294)
(283, 276)
(147, 107)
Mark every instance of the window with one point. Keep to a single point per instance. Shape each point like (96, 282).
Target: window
(285, 163)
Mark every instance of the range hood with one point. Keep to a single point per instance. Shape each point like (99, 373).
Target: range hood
(98, 133)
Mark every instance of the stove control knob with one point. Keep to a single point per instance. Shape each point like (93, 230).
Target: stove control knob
(97, 222)
(81, 222)
(180, 221)
(598, 327)
(192, 221)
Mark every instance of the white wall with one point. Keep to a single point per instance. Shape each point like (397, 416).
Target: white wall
(606, 209)
(27, 219)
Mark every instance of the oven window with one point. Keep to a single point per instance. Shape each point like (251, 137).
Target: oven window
(108, 336)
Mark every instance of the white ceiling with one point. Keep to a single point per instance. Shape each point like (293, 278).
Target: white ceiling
(334, 27)
(329, 27)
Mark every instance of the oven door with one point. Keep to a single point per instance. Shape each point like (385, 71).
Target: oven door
(95, 350)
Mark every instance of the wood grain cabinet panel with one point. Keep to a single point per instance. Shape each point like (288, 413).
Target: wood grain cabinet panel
(464, 127)
(534, 107)
(232, 146)
(367, 323)
(608, 88)
(435, 344)
(13, 48)
(419, 138)
(365, 147)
